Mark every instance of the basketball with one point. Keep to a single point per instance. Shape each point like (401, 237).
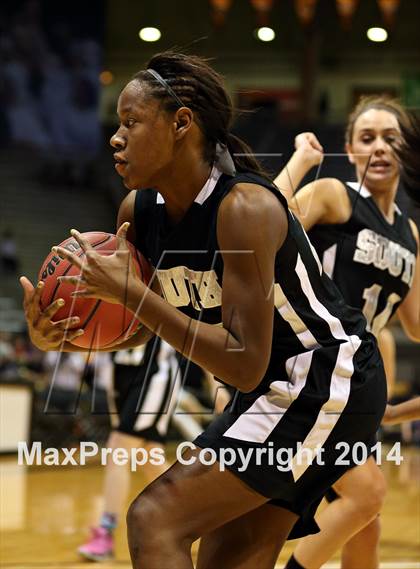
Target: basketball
(104, 323)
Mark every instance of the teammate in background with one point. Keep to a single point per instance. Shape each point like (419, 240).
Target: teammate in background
(145, 388)
(279, 331)
(406, 411)
(387, 347)
(369, 248)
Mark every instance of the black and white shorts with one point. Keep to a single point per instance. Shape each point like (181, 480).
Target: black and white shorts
(145, 390)
(311, 410)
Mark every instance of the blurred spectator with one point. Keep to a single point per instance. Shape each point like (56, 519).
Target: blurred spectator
(19, 359)
(49, 90)
(9, 261)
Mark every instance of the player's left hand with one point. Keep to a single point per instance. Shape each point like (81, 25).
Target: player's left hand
(106, 277)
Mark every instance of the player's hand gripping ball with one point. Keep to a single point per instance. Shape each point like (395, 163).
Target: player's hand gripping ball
(104, 323)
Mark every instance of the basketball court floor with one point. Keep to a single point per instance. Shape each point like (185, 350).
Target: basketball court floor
(46, 513)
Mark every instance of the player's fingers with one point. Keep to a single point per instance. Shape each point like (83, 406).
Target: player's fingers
(122, 236)
(314, 142)
(59, 336)
(74, 280)
(67, 323)
(71, 257)
(72, 335)
(82, 293)
(53, 308)
(28, 290)
(84, 243)
(31, 298)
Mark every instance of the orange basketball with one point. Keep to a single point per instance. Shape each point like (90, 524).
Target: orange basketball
(103, 322)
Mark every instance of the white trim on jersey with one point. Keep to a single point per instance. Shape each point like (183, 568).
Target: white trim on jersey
(288, 313)
(205, 191)
(361, 190)
(268, 410)
(331, 410)
(314, 252)
(365, 193)
(333, 322)
(328, 260)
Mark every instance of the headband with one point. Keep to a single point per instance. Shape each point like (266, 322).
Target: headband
(166, 86)
(224, 160)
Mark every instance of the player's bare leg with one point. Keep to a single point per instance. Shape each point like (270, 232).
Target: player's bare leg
(363, 546)
(362, 491)
(253, 540)
(185, 503)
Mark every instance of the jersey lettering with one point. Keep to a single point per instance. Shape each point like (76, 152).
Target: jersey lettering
(382, 253)
(182, 286)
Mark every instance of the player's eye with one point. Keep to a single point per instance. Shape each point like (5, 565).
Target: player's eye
(366, 139)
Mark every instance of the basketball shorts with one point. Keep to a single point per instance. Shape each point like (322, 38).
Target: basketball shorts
(293, 442)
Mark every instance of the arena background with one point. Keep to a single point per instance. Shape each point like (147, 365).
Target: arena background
(62, 66)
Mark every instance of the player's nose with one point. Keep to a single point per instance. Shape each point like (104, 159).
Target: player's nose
(117, 141)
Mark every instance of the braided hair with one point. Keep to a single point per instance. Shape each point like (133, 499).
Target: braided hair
(200, 88)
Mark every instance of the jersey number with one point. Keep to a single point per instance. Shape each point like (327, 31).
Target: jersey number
(371, 296)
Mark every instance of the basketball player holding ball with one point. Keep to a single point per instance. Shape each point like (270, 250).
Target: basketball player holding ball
(369, 248)
(304, 368)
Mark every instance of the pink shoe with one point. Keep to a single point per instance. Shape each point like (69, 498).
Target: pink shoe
(100, 546)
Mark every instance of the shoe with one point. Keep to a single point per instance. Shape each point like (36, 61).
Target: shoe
(100, 546)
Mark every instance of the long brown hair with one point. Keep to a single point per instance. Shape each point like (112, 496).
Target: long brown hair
(409, 155)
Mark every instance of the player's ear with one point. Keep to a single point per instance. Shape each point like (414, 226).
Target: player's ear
(183, 120)
(349, 150)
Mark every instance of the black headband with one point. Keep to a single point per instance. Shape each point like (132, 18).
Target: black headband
(166, 85)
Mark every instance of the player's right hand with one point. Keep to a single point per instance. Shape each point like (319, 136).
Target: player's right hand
(307, 144)
(45, 334)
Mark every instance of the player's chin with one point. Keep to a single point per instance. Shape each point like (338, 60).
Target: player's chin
(130, 183)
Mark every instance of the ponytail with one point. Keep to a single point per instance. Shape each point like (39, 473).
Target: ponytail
(243, 157)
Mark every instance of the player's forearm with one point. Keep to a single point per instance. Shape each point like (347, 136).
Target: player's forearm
(141, 337)
(211, 347)
(407, 411)
(292, 174)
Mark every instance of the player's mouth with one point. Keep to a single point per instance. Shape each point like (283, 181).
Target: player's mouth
(120, 164)
(380, 166)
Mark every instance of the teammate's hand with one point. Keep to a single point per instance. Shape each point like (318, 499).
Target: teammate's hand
(45, 334)
(309, 147)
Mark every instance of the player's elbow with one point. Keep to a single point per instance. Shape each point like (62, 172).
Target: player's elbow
(250, 376)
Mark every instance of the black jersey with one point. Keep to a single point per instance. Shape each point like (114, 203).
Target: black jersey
(324, 367)
(309, 311)
(371, 260)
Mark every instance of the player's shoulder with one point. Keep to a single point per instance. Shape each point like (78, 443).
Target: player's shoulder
(414, 229)
(332, 194)
(254, 208)
(330, 187)
(247, 199)
(126, 209)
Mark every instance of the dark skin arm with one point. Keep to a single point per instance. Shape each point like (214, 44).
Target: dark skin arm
(48, 335)
(252, 225)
